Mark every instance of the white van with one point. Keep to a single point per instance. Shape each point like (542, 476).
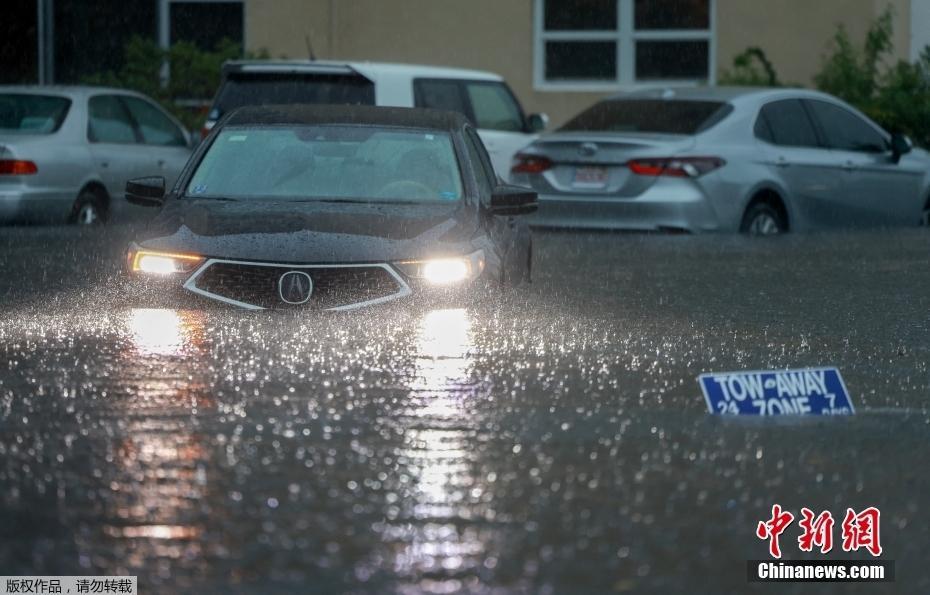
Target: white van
(483, 97)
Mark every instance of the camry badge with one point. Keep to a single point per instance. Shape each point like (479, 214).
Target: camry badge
(587, 149)
(295, 287)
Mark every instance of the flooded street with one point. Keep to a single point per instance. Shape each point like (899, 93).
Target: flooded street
(552, 441)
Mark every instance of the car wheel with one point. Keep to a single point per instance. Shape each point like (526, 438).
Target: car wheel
(925, 216)
(762, 219)
(88, 209)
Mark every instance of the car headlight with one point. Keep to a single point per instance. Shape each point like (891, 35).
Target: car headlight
(445, 271)
(162, 263)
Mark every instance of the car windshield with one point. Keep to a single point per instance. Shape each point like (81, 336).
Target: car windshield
(22, 113)
(649, 115)
(359, 163)
(285, 88)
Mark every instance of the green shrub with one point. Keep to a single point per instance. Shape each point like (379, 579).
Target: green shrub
(896, 94)
(193, 79)
(751, 68)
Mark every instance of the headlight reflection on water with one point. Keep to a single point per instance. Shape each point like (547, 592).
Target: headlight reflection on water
(444, 338)
(156, 331)
(436, 444)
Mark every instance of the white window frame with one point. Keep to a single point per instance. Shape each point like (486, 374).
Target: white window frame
(625, 37)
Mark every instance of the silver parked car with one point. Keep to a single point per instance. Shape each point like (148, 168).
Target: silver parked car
(67, 152)
(760, 161)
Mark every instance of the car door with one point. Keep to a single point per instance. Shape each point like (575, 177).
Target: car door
(808, 170)
(167, 143)
(879, 190)
(490, 106)
(116, 148)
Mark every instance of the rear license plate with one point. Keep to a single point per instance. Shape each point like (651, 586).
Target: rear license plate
(590, 177)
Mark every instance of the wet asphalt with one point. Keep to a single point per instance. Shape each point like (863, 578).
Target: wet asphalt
(554, 440)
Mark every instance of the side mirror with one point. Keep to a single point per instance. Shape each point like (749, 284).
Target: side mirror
(146, 192)
(513, 200)
(900, 145)
(537, 122)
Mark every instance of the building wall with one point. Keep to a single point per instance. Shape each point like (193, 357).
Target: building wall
(497, 35)
(797, 35)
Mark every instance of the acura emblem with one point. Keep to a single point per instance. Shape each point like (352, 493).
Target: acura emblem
(295, 287)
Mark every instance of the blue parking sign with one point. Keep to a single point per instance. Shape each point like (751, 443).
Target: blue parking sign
(807, 391)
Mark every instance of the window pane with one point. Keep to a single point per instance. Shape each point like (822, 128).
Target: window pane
(439, 94)
(580, 15)
(19, 51)
(672, 14)
(109, 121)
(675, 60)
(156, 128)
(22, 113)
(494, 107)
(789, 124)
(483, 156)
(581, 60)
(845, 130)
(649, 115)
(475, 157)
(762, 130)
(89, 37)
(368, 163)
(206, 24)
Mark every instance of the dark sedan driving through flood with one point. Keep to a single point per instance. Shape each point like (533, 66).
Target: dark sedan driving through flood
(334, 208)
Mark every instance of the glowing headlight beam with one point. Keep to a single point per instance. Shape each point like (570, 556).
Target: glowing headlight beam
(445, 271)
(163, 263)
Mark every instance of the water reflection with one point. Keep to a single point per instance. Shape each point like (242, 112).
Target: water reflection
(165, 332)
(157, 477)
(436, 437)
(444, 338)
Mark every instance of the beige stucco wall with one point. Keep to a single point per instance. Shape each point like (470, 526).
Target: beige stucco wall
(497, 35)
(796, 34)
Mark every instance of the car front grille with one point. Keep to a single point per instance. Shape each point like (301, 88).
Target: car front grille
(256, 285)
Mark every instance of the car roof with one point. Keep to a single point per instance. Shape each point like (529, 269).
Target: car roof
(66, 90)
(722, 94)
(365, 115)
(366, 69)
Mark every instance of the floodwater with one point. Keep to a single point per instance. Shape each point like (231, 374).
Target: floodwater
(552, 441)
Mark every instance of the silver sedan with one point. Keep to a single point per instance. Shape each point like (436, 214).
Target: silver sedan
(760, 161)
(66, 152)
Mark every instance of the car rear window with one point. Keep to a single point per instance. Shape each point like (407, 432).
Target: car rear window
(23, 113)
(649, 115)
(242, 89)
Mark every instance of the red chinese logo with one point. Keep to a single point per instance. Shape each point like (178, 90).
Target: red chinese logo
(818, 531)
(859, 530)
(773, 528)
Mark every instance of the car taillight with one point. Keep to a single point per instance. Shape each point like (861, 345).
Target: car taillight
(17, 167)
(530, 164)
(676, 167)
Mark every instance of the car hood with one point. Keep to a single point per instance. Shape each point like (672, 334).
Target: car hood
(312, 232)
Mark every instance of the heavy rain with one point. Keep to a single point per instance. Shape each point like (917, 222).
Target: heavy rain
(539, 427)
